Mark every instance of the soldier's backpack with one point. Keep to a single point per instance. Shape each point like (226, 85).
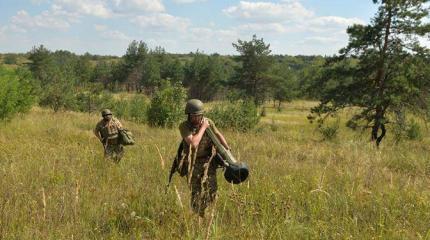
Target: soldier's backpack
(125, 137)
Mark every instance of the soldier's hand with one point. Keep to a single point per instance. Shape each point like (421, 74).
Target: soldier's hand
(205, 123)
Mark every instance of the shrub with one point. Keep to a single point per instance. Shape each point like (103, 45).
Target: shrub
(138, 109)
(329, 130)
(10, 59)
(121, 108)
(409, 131)
(16, 92)
(241, 115)
(413, 131)
(166, 108)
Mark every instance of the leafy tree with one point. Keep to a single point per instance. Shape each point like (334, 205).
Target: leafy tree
(42, 63)
(83, 69)
(150, 78)
(172, 70)
(383, 68)
(284, 83)
(60, 92)
(102, 73)
(252, 75)
(166, 108)
(203, 76)
(16, 93)
(10, 59)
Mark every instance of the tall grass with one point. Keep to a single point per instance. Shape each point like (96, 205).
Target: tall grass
(56, 185)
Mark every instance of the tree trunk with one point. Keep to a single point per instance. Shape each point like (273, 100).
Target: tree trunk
(380, 83)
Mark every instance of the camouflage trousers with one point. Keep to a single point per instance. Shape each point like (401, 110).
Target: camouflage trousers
(114, 150)
(203, 185)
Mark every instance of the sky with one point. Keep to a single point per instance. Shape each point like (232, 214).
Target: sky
(106, 27)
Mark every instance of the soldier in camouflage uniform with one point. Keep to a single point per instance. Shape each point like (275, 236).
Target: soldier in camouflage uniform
(107, 132)
(200, 151)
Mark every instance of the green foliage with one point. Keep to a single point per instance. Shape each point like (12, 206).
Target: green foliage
(138, 109)
(414, 131)
(203, 76)
(239, 116)
(10, 59)
(409, 131)
(253, 73)
(284, 86)
(166, 107)
(16, 92)
(329, 130)
(121, 108)
(59, 94)
(382, 70)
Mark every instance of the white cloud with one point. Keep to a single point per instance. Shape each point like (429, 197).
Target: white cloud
(116, 35)
(109, 8)
(99, 27)
(210, 39)
(24, 22)
(322, 40)
(331, 23)
(95, 8)
(38, 2)
(187, 1)
(161, 22)
(268, 11)
(263, 28)
(133, 5)
(285, 17)
(111, 34)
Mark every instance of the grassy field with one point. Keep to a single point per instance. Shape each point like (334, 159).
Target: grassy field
(54, 184)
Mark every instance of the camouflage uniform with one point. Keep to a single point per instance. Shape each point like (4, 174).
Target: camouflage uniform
(109, 133)
(202, 172)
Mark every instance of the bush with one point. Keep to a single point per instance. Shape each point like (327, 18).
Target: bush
(138, 109)
(121, 108)
(59, 93)
(10, 59)
(241, 115)
(329, 130)
(16, 92)
(413, 131)
(166, 108)
(408, 131)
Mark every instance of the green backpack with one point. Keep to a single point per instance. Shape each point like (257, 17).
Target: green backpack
(125, 137)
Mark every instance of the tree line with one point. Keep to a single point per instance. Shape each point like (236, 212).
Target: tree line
(254, 73)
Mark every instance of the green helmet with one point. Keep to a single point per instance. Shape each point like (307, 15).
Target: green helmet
(194, 106)
(106, 112)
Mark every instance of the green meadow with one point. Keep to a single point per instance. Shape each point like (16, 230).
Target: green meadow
(55, 184)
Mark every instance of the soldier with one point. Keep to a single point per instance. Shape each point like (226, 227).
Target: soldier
(107, 132)
(200, 150)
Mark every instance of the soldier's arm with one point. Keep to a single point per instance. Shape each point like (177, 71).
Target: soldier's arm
(118, 124)
(219, 135)
(194, 140)
(97, 133)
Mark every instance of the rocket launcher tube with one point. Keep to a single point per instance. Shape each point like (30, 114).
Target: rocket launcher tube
(235, 171)
(225, 154)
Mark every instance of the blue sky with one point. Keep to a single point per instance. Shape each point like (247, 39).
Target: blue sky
(181, 26)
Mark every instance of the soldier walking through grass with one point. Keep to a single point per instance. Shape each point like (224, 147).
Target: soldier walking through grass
(107, 131)
(199, 150)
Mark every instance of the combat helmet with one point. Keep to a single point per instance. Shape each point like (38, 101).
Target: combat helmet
(194, 106)
(106, 112)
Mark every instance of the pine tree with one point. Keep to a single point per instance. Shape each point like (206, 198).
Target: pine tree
(382, 69)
